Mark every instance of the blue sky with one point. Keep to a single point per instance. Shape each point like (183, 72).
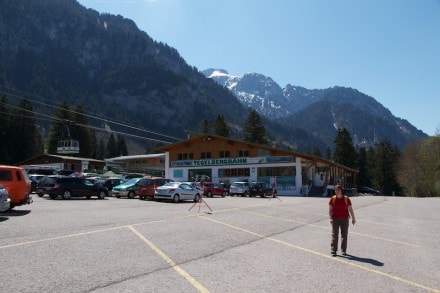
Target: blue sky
(389, 50)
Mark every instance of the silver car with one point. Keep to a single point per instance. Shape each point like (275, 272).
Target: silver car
(239, 188)
(5, 201)
(177, 191)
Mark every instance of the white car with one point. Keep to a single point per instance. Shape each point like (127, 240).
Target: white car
(5, 201)
(177, 191)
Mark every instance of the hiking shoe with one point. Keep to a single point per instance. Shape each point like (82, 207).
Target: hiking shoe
(344, 253)
(333, 253)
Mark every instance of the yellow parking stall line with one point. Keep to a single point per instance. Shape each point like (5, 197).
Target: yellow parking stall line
(172, 264)
(322, 227)
(61, 237)
(396, 278)
(92, 232)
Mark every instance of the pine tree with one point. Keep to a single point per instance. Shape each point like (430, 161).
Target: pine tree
(221, 127)
(110, 151)
(204, 127)
(121, 147)
(100, 152)
(254, 130)
(328, 154)
(24, 128)
(345, 152)
(363, 177)
(5, 131)
(384, 175)
(316, 152)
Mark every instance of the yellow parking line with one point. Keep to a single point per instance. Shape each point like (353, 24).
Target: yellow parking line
(322, 227)
(176, 267)
(396, 278)
(61, 237)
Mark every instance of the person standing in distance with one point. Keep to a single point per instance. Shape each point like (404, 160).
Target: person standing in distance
(339, 211)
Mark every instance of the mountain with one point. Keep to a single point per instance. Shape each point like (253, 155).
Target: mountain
(319, 112)
(59, 50)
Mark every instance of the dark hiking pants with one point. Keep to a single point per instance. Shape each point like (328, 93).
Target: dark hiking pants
(341, 223)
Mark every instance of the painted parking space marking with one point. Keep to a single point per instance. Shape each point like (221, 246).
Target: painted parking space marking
(396, 278)
(172, 264)
(326, 228)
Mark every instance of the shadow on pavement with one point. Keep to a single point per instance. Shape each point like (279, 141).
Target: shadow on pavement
(14, 213)
(364, 260)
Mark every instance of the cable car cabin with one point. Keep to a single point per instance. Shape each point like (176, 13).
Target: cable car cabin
(68, 146)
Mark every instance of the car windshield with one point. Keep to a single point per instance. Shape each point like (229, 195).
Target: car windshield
(172, 184)
(132, 181)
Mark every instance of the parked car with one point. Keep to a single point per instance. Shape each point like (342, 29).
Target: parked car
(239, 188)
(5, 201)
(35, 178)
(368, 190)
(68, 187)
(109, 183)
(40, 170)
(17, 183)
(210, 189)
(177, 191)
(65, 172)
(127, 188)
(129, 176)
(261, 189)
(226, 187)
(41, 185)
(147, 186)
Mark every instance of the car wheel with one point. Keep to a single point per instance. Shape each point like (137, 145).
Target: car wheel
(223, 193)
(197, 198)
(67, 194)
(131, 195)
(209, 194)
(101, 194)
(176, 198)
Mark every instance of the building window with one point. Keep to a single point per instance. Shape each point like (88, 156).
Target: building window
(243, 153)
(224, 154)
(263, 153)
(205, 155)
(185, 156)
(178, 173)
(276, 171)
(234, 172)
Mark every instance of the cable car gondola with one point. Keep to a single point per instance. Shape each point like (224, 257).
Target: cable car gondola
(67, 145)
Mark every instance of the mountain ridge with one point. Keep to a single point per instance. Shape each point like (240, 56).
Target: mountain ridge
(298, 106)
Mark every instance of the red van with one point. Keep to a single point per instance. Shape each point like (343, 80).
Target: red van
(147, 186)
(17, 183)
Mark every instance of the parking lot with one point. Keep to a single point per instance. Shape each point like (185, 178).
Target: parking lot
(244, 245)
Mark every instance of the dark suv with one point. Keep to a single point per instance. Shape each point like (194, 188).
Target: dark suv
(261, 189)
(68, 187)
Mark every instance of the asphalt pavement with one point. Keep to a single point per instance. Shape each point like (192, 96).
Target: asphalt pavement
(243, 245)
